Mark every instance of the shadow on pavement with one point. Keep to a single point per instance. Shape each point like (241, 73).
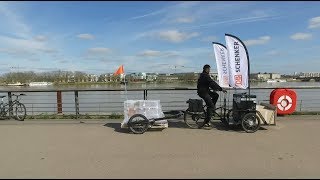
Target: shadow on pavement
(233, 128)
(116, 127)
(180, 124)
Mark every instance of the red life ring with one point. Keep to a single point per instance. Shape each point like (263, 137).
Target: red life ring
(284, 103)
(285, 100)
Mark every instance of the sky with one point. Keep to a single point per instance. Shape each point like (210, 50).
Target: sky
(164, 36)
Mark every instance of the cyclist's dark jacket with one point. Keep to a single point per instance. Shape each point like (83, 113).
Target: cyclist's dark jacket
(204, 82)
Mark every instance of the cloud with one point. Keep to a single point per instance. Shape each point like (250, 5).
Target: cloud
(13, 22)
(301, 36)
(99, 50)
(166, 10)
(63, 61)
(86, 36)
(174, 36)
(184, 20)
(209, 39)
(48, 50)
(153, 53)
(273, 53)
(259, 41)
(148, 14)
(233, 21)
(34, 59)
(18, 46)
(40, 38)
(223, 13)
(20, 41)
(314, 22)
(149, 53)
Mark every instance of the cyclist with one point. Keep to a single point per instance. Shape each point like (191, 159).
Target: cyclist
(210, 97)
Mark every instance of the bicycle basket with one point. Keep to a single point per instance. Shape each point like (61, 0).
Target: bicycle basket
(195, 105)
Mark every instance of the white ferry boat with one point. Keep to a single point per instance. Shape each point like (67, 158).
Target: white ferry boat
(276, 80)
(40, 84)
(282, 80)
(271, 81)
(16, 84)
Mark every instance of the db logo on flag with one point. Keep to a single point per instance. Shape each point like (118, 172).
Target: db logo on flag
(225, 79)
(238, 79)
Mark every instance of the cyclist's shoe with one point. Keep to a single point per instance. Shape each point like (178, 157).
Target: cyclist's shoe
(208, 125)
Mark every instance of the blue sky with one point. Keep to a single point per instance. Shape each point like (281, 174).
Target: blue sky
(97, 37)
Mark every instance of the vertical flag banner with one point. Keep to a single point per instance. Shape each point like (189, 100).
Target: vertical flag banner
(222, 60)
(239, 62)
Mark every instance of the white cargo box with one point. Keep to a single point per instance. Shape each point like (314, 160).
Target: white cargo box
(149, 108)
(268, 112)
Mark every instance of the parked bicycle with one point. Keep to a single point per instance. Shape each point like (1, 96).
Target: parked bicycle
(15, 109)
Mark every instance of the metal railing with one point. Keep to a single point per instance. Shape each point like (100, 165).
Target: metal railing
(108, 101)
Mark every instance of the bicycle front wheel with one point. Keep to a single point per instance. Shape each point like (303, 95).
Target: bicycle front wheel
(20, 111)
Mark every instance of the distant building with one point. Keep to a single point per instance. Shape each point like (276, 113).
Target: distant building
(151, 76)
(138, 76)
(167, 77)
(71, 79)
(92, 78)
(309, 74)
(266, 76)
(107, 77)
(275, 76)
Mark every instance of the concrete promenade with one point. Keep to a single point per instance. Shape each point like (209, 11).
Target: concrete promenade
(100, 149)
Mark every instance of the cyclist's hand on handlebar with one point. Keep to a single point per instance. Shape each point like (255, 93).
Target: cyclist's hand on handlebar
(224, 90)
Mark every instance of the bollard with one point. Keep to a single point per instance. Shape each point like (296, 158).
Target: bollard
(59, 102)
(76, 100)
(145, 94)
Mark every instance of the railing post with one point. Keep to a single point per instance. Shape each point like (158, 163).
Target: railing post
(300, 105)
(76, 99)
(144, 94)
(59, 102)
(10, 104)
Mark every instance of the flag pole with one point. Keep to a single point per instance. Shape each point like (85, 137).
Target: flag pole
(125, 85)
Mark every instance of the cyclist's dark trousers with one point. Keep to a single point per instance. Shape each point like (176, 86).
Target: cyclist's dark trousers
(211, 99)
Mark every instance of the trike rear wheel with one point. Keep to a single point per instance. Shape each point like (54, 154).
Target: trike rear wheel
(250, 122)
(138, 124)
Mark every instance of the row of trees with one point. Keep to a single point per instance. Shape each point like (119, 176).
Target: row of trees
(54, 76)
(68, 76)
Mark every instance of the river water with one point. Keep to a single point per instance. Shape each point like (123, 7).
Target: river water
(106, 102)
